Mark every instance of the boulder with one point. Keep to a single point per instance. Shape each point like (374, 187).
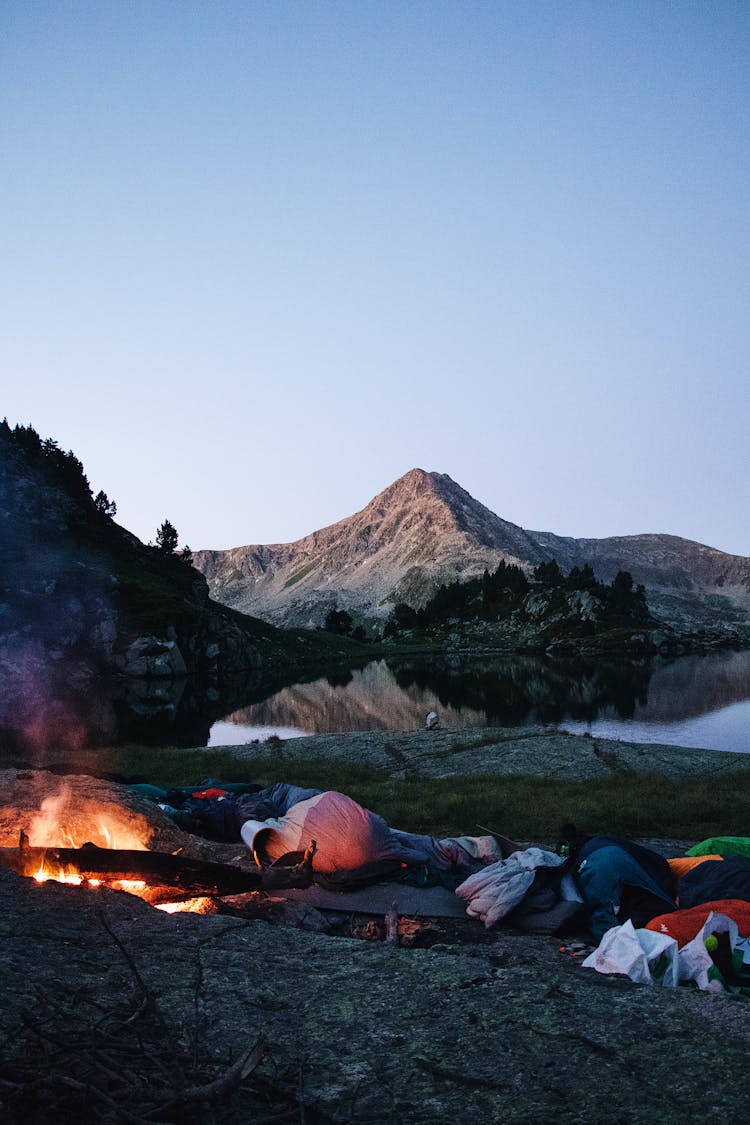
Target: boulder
(150, 656)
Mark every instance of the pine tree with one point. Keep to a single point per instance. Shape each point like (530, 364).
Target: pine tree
(103, 504)
(167, 538)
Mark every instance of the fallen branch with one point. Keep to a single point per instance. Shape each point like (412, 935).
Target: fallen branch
(232, 1076)
(69, 1063)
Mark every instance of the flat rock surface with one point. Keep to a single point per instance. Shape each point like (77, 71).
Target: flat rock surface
(358, 1031)
(535, 751)
(506, 1028)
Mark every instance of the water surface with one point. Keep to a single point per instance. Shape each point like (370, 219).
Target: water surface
(692, 701)
(701, 701)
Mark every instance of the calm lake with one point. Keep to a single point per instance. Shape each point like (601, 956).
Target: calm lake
(692, 701)
(699, 701)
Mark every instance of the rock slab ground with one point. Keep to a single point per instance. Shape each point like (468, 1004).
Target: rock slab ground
(358, 1031)
(508, 1030)
(536, 752)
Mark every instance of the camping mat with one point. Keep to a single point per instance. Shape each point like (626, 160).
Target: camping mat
(434, 902)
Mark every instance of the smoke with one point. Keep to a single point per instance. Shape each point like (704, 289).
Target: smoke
(44, 830)
(58, 625)
(46, 703)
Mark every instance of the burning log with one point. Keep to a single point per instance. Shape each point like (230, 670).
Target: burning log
(189, 877)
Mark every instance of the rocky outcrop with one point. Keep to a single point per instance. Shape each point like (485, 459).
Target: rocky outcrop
(353, 1031)
(501, 750)
(425, 529)
(153, 657)
(82, 601)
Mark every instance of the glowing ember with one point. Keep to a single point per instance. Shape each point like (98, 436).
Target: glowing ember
(139, 887)
(43, 874)
(46, 874)
(202, 905)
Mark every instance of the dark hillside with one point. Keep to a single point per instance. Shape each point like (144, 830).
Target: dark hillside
(82, 600)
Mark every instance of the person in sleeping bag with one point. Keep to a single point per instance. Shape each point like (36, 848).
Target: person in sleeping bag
(618, 880)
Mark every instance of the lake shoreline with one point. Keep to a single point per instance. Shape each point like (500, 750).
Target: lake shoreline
(529, 751)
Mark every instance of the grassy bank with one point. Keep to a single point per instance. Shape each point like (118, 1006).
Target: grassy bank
(523, 807)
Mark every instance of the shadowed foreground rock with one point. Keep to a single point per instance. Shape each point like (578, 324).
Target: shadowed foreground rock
(354, 1031)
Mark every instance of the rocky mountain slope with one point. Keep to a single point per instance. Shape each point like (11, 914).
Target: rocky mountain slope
(425, 529)
(422, 530)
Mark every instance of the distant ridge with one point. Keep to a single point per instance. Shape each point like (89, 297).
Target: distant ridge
(425, 529)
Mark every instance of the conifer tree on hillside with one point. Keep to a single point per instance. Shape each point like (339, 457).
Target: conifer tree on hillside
(338, 621)
(167, 538)
(103, 504)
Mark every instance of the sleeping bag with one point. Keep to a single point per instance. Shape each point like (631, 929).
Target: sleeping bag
(715, 879)
(619, 880)
(348, 836)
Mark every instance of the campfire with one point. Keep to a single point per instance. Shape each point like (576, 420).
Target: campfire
(96, 834)
(101, 844)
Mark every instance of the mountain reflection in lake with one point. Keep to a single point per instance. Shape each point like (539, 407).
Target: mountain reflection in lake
(693, 701)
(698, 700)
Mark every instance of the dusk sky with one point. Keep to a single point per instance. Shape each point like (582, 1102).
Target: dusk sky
(260, 259)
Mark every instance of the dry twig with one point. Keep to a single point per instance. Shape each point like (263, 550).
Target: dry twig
(391, 924)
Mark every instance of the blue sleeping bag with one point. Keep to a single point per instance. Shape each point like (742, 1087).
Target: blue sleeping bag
(608, 866)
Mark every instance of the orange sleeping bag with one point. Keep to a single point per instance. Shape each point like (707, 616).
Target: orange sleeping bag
(683, 925)
(684, 863)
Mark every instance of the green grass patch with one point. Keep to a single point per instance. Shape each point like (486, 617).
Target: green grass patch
(300, 574)
(525, 808)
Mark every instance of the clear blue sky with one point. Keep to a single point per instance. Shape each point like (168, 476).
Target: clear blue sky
(260, 259)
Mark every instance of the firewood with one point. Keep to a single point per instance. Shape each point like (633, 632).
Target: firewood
(391, 924)
(192, 877)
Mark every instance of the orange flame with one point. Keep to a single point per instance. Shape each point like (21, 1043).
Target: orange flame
(63, 822)
(67, 822)
(43, 874)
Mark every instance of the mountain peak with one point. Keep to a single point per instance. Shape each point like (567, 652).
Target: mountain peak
(415, 474)
(417, 490)
(424, 529)
(416, 480)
